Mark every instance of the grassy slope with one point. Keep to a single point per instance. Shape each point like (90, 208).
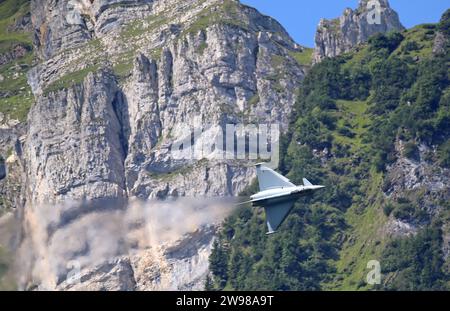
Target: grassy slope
(19, 100)
(365, 242)
(303, 58)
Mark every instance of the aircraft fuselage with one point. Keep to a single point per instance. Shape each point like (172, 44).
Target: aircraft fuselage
(281, 194)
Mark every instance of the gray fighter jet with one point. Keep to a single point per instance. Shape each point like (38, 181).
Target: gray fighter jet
(277, 195)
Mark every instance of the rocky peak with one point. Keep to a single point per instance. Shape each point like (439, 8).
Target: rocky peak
(441, 44)
(340, 35)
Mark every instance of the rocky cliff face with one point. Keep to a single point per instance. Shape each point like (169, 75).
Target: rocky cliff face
(419, 179)
(115, 83)
(174, 67)
(340, 35)
(181, 266)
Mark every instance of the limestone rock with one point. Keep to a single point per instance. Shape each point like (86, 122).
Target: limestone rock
(117, 83)
(340, 35)
(116, 275)
(406, 176)
(441, 43)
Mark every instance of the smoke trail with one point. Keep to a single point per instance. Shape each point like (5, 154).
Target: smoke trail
(53, 239)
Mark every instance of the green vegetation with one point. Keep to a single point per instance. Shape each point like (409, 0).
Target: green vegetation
(418, 261)
(140, 27)
(15, 94)
(407, 210)
(123, 69)
(201, 48)
(10, 11)
(277, 60)
(71, 79)
(9, 152)
(304, 58)
(353, 107)
(444, 154)
(254, 100)
(9, 8)
(7, 45)
(411, 150)
(16, 107)
(418, 42)
(225, 12)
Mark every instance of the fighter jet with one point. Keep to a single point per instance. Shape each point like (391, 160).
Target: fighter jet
(277, 195)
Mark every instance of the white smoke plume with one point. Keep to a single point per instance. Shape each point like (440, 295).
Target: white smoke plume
(56, 236)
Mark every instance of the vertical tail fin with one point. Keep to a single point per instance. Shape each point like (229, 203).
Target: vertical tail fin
(306, 182)
(268, 178)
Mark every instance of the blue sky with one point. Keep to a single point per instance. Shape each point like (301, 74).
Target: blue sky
(300, 17)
